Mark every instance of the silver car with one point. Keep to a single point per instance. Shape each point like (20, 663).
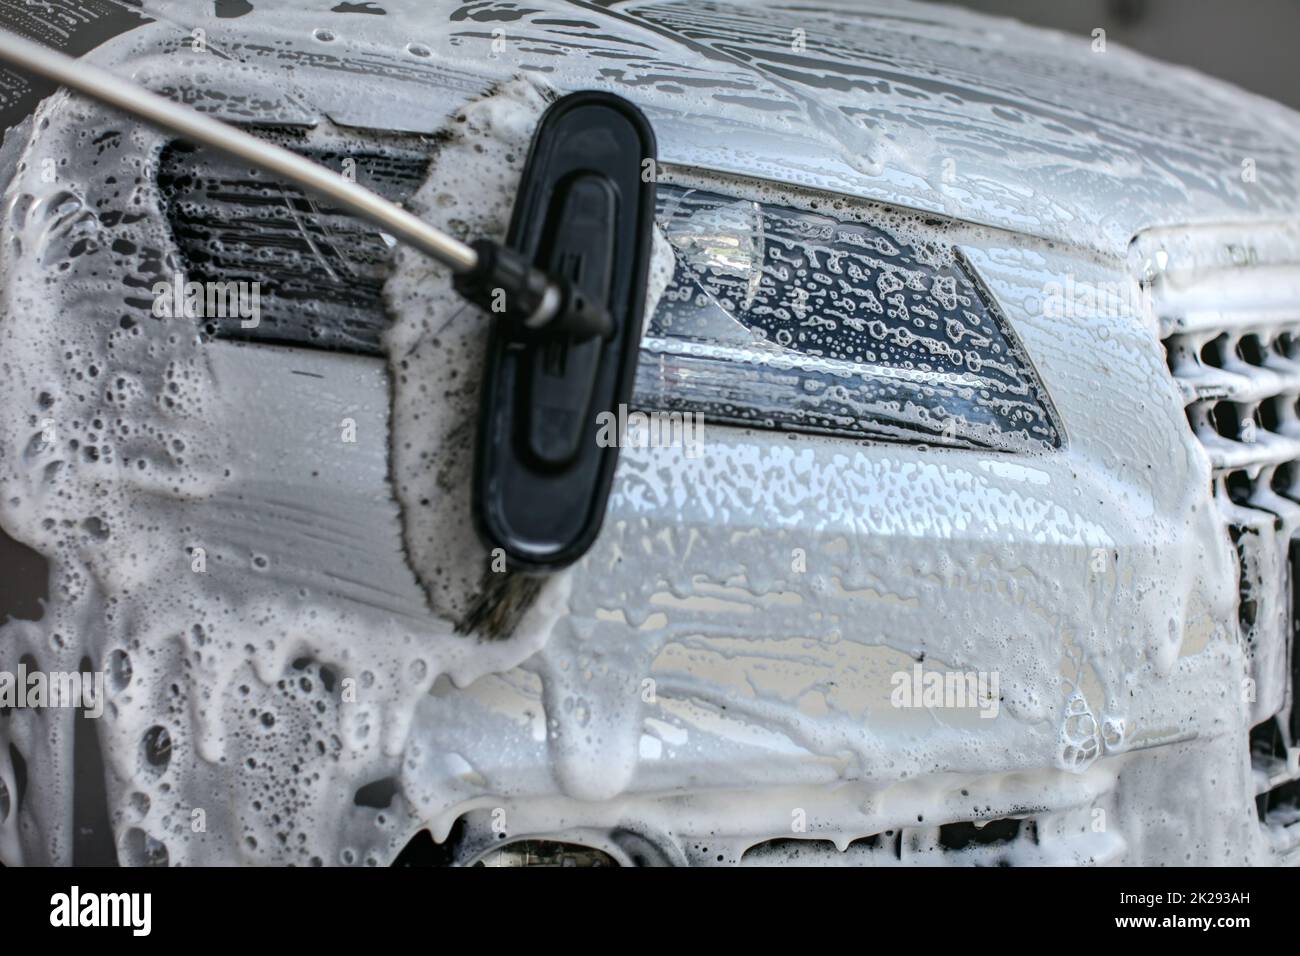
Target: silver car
(953, 519)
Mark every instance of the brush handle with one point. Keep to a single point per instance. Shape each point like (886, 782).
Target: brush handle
(194, 126)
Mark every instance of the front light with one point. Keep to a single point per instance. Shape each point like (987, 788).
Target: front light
(791, 319)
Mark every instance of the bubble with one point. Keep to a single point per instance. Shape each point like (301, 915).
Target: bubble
(119, 669)
(157, 747)
(140, 849)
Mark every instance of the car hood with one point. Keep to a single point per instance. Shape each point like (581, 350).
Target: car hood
(919, 105)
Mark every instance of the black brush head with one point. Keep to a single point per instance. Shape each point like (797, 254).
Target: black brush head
(585, 215)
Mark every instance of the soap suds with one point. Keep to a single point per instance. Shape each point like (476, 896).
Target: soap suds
(126, 430)
(436, 344)
(716, 672)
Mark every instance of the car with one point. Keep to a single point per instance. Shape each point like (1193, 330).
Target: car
(955, 500)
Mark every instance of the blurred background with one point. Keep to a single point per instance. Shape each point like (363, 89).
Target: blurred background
(1252, 43)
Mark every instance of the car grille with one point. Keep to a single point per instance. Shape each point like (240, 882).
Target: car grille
(1229, 313)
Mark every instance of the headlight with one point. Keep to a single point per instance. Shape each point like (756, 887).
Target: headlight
(792, 319)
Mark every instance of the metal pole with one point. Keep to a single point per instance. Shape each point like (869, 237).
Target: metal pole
(193, 125)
